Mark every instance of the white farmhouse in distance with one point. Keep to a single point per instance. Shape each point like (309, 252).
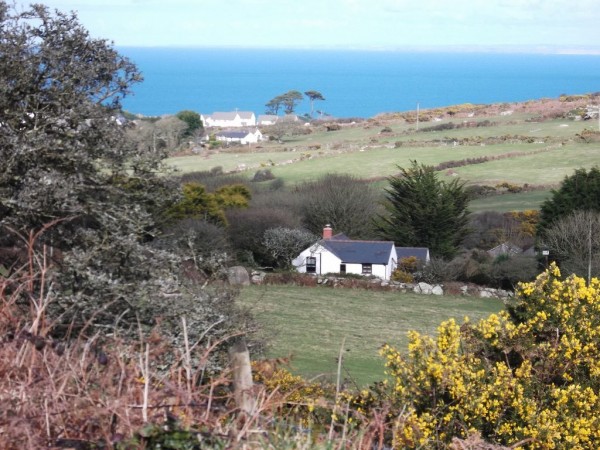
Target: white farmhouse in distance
(241, 137)
(234, 119)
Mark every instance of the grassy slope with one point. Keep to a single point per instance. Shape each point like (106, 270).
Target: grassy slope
(510, 202)
(363, 151)
(312, 323)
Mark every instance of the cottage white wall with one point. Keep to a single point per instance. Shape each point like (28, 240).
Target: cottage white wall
(246, 122)
(329, 263)
(392, 263)
(252, 138)
(326, 261)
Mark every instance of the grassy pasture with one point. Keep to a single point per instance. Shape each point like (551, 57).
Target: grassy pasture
(547, 168)
(312, 322)
(510, 202)
(363, 151)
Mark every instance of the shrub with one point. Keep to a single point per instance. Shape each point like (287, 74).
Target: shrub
(478, 191)
(247, 228)
(263, 175)
(438, 270)
(528, 377)
(507, 271)
(402, 276)
(513, 188)
(439, 127)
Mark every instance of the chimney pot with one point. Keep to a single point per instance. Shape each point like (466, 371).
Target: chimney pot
(327, 232)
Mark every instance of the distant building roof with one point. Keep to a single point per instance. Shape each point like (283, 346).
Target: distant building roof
(421, 253)
(229, 115)
(246, 114)
(222, 115)
(233, 134)
(506, 248)
(359, 252)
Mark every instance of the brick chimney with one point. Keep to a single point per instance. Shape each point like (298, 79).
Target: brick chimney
(327, 232)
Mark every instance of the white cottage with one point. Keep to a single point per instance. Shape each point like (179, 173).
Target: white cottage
(241, 137)
(339, 254)
(232, 119)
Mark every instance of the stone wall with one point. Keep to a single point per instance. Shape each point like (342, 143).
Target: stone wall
(453, 288)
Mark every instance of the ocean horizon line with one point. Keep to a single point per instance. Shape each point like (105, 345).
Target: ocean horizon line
(449, 49)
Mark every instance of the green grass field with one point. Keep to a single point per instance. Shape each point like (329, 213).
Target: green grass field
(311, 323)
(510, 202)
(364, 151)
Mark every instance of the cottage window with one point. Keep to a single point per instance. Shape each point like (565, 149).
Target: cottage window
(311, 264)
(342, 268)
(367, 269)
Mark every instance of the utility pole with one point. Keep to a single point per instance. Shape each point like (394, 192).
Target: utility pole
(589, 274)
(418, 116)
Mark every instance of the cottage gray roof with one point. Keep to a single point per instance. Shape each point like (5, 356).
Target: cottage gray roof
(359, 252)
(506, 248)
(245, 114)
(233, 134)
(420, 253)
(222, 115)
(229, 115)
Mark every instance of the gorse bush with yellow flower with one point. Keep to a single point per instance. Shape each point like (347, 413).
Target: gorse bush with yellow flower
(529, 376)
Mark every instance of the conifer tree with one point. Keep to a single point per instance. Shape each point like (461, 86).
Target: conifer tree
(577, 192)
(424, 211)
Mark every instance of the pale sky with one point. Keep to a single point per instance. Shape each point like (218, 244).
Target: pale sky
(570, 26)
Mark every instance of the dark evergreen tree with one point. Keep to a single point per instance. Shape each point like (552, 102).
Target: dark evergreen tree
(577, 192)
(193, 121)
(291, 100)
(312, 96)
(424, 211)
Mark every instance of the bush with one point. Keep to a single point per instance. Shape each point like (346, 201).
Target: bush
(529, 376)
(439, 127)
(247, 228)
(438, 271)
(507, 271)
(402, 276)
(479, 191)
(263, 175)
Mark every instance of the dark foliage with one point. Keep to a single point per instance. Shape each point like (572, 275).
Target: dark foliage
(247, 229)
(580, 191)
(423, 211)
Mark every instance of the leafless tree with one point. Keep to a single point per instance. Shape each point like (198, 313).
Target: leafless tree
(574, 241)
(286, 243)
(348, 204)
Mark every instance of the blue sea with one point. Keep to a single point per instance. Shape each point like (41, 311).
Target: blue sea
(354, 83)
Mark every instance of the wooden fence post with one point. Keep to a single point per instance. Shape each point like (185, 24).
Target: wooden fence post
(239, 359)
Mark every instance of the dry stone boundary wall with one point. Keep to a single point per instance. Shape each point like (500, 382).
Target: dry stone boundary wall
(258, 277)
